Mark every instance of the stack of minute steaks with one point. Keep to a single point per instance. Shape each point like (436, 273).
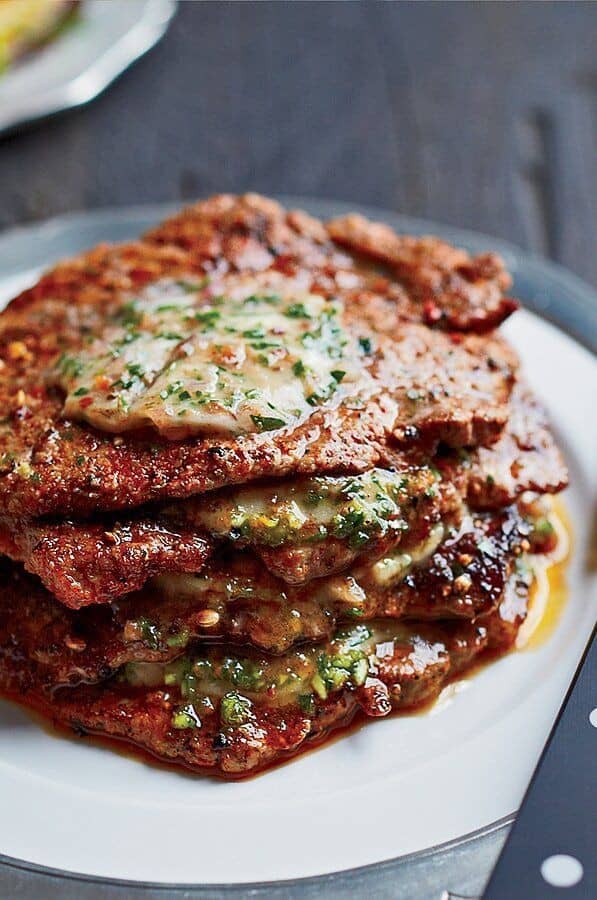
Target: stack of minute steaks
(258, 474)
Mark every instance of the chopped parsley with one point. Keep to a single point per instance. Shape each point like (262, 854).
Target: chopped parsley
(268, 423)
(307, 703)
(235, 709)
(297, 311)
(186, 717)
(150, 632)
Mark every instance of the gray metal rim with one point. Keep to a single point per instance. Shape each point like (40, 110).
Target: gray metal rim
(462, 865)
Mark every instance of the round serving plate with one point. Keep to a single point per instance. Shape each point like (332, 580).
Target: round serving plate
(404, 807)
(103, 40)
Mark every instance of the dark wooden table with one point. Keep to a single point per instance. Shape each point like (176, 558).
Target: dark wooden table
(480, 115)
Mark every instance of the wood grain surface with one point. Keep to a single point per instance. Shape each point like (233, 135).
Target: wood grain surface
(482, 115)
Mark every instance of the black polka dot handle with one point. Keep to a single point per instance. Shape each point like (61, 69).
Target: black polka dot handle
(552, 848)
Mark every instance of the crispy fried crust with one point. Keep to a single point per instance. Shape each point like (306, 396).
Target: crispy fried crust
(467, 575)
(51, 466)
(430, 386)
(428, 280)
(96, 563)
(412, 675)
(252, 233)
(453, 290)
(525, 458)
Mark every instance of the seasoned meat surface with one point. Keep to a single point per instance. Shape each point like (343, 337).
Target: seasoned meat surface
(83, 563)
(426, 279)
(450, 288)
(337, 520)
(74, 469)
(525, 458)
(307, 528)
(91, 563)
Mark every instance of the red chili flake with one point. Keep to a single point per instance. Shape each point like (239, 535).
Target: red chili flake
(431, 312)
(285, 264)
(84, 402)
(45, 288)
(456, 338)
(140, 276)
(102, 382)
(472, 273)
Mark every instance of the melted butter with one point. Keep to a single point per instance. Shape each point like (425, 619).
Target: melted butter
(334, 594)
(259, 357)
(354, 508)
(392, 569)
(347, 660)
(379, 641)
(551, 611)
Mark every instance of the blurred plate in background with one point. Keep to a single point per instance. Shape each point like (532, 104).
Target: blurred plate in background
(103, 40)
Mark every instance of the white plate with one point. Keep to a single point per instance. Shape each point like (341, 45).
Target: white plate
(395, 787)
(107, 36)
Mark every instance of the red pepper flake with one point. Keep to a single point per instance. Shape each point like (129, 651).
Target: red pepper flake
(141, 276)
(285, 264)
(456, 338)
(431, 312)
(102, 382)
(84, 402)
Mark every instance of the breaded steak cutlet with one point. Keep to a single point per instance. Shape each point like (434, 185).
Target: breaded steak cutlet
(259, 474)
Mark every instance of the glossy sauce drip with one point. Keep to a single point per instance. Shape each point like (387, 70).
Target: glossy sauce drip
(550, 590)
(548, 597)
